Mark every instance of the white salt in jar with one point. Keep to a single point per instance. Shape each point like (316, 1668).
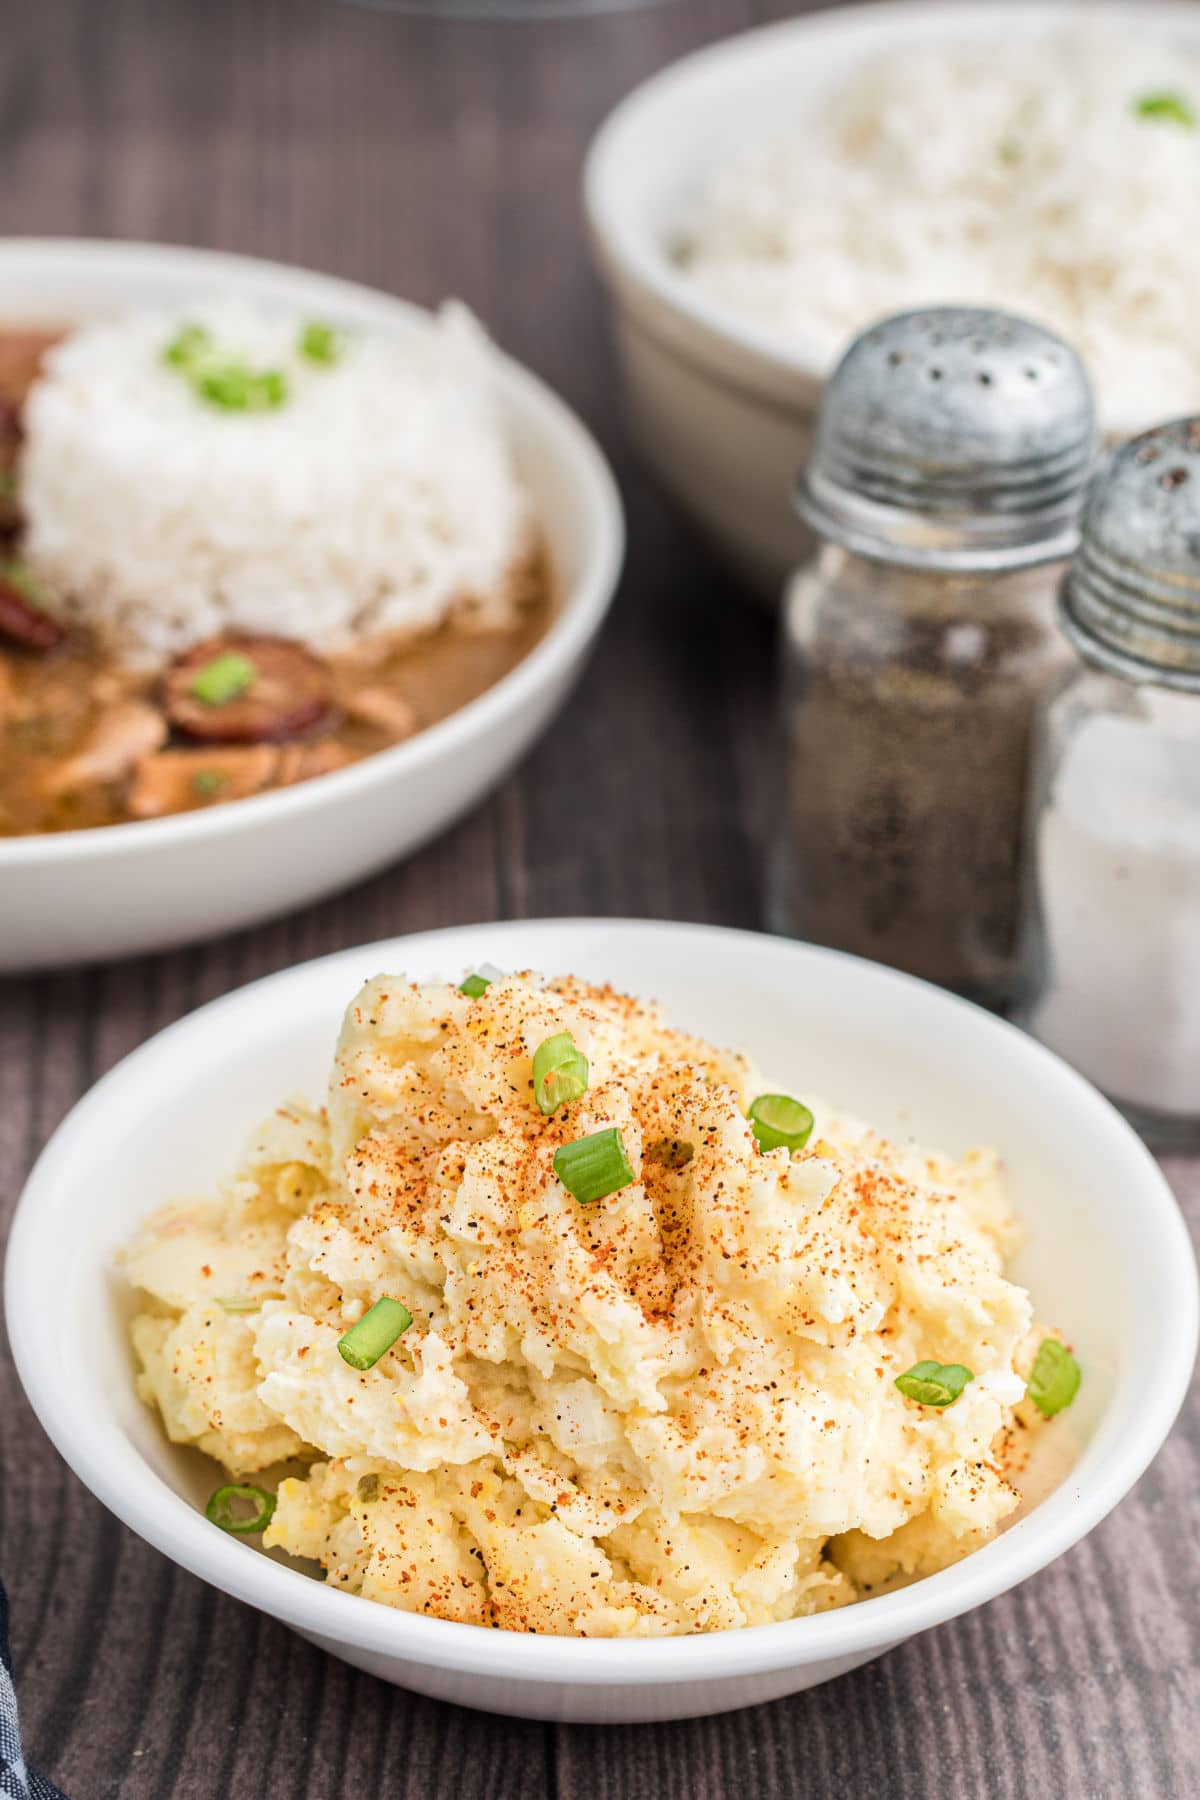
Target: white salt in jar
(1111, 946)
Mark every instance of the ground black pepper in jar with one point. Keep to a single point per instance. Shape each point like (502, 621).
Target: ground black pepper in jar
(919, 641)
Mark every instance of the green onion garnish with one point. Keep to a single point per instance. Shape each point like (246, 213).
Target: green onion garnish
(474, 986)
(208, 781)
(224, 384)
(321, 343)
(188, 345)
(220, 1508)
(1054, 1378)
(238, 389)
(1171, 108)
(367, 1488)
(376, 1331)
(268, 390)
(672, 1153)
(778, 1120)
(934, 1383)
(560, 1072)
(247, 1303)
(593, 1167)
(223, 380)
(18, 575)
(226, 677)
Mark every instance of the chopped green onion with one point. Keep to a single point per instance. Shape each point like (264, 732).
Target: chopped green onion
(321, 343)
(238, 389)
(593, 1167)
(223, 380)
(227, 677)
(560, 1072)
(220, 1508)
(934, 1383)
(229, 385)
(672, 1153)
(376, 1331)
(1054, 1378)
(268, 390)
(225, 384)
(368, 1487)
(1170, 108)
(778, 1120)
(18, 575)
(208, 781)
(474, 986)
(247, 1303)
(187, 346)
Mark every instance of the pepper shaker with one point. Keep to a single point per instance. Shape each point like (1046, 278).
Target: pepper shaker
(945, 486)
(1111, 946)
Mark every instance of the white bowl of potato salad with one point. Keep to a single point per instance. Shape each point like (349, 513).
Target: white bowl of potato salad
(720, 1309)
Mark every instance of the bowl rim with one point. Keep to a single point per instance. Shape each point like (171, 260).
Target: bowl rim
(631, 255)
(577, 614)
(151, 1507)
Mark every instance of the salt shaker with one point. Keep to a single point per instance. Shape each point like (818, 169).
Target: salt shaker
(1111, 945)
(945, 486)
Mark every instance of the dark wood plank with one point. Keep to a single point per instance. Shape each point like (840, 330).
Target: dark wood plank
(435, 158)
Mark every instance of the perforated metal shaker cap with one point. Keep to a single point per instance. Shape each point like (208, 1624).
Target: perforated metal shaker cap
(954, 438)
(1131, 598)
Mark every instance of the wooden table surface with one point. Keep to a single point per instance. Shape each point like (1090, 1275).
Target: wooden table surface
(432, 158)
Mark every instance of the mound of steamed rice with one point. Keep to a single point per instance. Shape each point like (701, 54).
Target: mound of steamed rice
(1054, 177)
(381, 498)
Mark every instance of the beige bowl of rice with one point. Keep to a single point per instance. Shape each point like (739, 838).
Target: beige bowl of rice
(757, 204)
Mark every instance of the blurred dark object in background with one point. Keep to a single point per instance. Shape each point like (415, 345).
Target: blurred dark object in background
(512, 10)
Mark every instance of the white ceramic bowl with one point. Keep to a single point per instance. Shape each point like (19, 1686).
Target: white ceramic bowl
(1107, 1258)
(725, 407)
(124, 889)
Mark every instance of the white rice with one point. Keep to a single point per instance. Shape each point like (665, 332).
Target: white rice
(1018, 176)
(380, 498)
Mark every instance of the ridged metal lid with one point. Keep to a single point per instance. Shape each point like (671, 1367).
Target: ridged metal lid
(1131, 598)
(954, 438)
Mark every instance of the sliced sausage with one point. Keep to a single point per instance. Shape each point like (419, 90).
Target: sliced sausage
(21, 354)
(24, 624)
(246, 690)
(10, 450)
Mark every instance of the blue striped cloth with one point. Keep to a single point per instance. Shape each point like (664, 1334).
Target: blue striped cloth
(16, 1781)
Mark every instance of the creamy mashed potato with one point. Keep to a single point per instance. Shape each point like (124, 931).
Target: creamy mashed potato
(672, 1410)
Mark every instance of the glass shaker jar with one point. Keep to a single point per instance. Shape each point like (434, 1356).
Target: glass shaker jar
(1111, 945)
(945, 487)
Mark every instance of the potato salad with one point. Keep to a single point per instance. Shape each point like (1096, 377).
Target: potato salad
(555, 1319)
